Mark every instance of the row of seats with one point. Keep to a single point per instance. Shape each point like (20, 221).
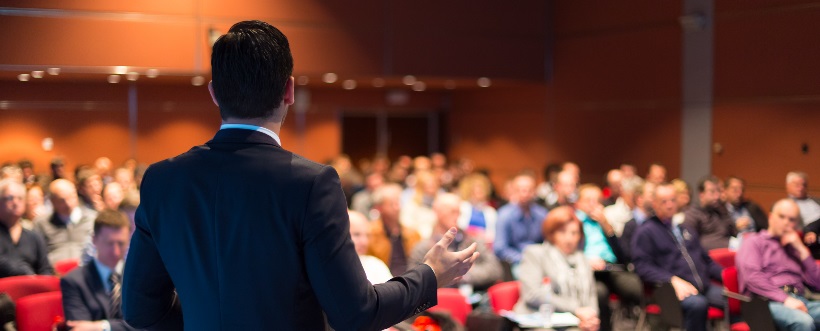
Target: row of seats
(38, 301)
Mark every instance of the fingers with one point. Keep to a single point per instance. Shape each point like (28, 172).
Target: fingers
(448, 237)
(467, 252)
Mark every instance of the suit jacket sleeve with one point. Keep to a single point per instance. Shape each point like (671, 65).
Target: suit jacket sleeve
(73, 304)
(148, 297)
(337, 277)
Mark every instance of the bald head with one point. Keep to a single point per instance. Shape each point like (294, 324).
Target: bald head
(784, 217)
(447, 208)
(63, 196)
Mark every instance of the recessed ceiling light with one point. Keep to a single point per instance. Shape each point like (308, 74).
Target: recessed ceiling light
(349, 84)
(419, 86)
(113, 79)
(53, 71)
(197, 81)
(120, 70)
(132, 76)
(23, 77)
(409, 80)
(484, 82)
(329, 78)
(378, 82)
(152, 73)
(37, 74)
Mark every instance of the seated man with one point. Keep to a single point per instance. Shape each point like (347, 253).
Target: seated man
(486, 271)
(748, 216)
(68, 229)
(22, 252)
(391, 242)
(666, 253)
(708, 218)
(91, 293)
(375, 270)
(519, 222)
(776, 265)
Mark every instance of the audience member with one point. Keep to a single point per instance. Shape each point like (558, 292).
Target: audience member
(564, 191)
(663, 252)
(416, 210)
(113, 195)
(619, 213)
(477, 216)
(102, 165)
(35, 206)
(546, 187)
(519, 222)
(797, 188)
(69, 227)
(603, 252)
(683, 196)
(656, 173)
(363, 200)
(125, 177)
(709, 218)
(391, 242)
(776, 265)
(559, 260)
(91, 293)
(641, 213)
(748, 216)
(22, 252)
(89, 188)
(614, 181)
(486, 271)
(375, 270)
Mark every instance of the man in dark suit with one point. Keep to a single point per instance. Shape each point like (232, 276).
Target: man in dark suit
(241, 234)
(91, 293)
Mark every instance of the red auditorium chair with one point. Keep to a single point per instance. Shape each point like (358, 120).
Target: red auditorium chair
(723, 257)
(39, 312)
(63, 267)
(20, 286)
(503, 296)
(754, 311)
(451, 300)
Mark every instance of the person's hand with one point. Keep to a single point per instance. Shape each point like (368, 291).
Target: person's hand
(597, 215)
(683, 289)
(597, 264)
(795, 304)
(791, 238)
(588, 318)
(743, 223)
(84, 325)
(448, 266)
(810, 238)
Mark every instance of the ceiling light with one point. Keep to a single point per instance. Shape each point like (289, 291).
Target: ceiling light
(329, 78)
(37, 74)
(419, 86)
(409, 80)
(113, 79)
(120, 70)
(53, 71)
(152, 73)
(302, 80)
(197, 81)
(378, 82)
(132, 76)
(23, 77)
(484, 82)
(349, 84)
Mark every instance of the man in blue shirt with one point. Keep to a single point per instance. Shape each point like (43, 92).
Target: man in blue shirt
(519, 221)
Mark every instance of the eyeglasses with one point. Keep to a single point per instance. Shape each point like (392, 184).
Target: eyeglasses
(7, 198)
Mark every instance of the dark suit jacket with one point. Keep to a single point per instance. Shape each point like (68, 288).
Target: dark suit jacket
(84, 297)
(252, 237)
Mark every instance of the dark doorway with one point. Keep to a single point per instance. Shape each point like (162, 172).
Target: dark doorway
(366, 134)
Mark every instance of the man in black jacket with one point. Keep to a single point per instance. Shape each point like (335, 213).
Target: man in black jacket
(241, 234)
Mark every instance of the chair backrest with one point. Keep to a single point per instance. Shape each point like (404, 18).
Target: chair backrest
(38, 312)
(63, 267)
(451, 300)
(20, 286)
(731, 285)
(503, 296)
(723, 256)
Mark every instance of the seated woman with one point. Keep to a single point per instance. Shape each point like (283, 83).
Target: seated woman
(559, 259)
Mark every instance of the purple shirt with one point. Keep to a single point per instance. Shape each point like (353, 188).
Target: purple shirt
(764, 265)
